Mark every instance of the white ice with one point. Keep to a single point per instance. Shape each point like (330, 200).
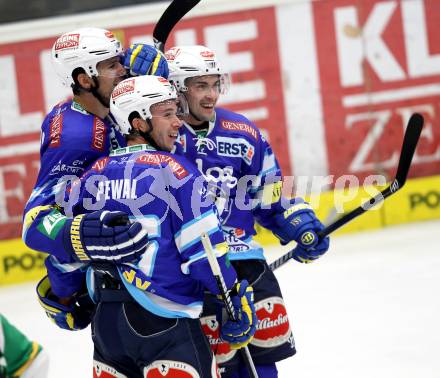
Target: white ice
(370, 308)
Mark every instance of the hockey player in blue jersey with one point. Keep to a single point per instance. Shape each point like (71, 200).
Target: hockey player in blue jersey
(73, 135)
(147, 319)
(233, 155)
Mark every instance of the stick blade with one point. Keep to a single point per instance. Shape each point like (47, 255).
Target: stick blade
(410, 140)
(172, 15)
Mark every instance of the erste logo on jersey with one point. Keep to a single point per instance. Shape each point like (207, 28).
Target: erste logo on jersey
(158, 159)
(124, 87)
(235, 147)
(273, 324)
(220, 348)
(240, 126)
(67, 41)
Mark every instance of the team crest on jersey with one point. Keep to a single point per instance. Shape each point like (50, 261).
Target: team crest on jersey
(221, 349)
(170, 369)
(56, 126)
(99, 134)
(204, 144)
(124, 87)
(273, 324)
(67, 41)
(240, 126)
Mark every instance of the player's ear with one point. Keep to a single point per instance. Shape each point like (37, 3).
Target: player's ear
(139, 124)
(84, 80)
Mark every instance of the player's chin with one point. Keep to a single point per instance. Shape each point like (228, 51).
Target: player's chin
(170, 143)
(206, 114)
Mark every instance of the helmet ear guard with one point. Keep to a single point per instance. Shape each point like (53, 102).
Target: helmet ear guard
(185, 62)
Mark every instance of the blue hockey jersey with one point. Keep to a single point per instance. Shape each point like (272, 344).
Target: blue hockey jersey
(167, 195)
(236, 159)
(71, 140)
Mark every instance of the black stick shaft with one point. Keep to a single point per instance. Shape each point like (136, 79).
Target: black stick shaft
(170, 17)
(213, 263)
(410, 140)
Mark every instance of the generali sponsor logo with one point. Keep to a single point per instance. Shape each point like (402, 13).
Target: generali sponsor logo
(67, 41)
(158, 159)
(240, 126)
(100, 164)
(99, 134)
(273, 324)
(126, 86)
(56, 126)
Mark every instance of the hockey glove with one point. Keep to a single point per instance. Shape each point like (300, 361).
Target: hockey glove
(240, 332)
(142, 59)
(104, 236)
(299, 223)
(74, 315)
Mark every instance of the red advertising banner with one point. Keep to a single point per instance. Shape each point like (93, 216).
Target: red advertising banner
(379, 61)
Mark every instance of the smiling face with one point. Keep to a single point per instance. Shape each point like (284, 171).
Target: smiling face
(165, 124)
(202, 96)
(111, 73)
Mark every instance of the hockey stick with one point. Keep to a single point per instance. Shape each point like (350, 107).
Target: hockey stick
(170, 17)
(412, 135)
(213, 263)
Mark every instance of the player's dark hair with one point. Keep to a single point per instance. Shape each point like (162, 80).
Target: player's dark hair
(134, 114)
(133, 134)
(76, 88)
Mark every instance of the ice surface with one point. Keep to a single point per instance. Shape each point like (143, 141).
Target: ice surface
(370, 308)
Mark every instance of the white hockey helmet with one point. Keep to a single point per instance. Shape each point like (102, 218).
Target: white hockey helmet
(192, 61)
(83, 48)
(138, 94)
